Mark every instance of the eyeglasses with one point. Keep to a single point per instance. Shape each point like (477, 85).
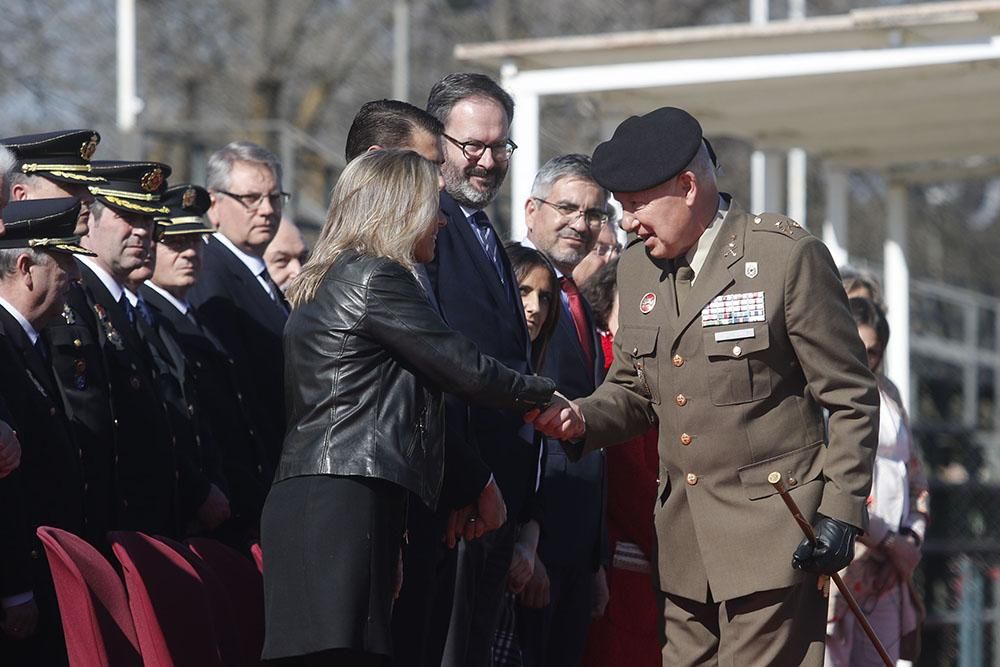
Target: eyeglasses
(592, 216)
(251, 201)
(607, 249)
(473, 150)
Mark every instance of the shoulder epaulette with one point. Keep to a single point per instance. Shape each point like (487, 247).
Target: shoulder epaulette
(774, 222)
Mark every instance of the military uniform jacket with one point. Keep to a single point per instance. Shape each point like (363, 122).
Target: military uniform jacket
(238, 449)
(47, 488)
(737, 383)
(144, 460)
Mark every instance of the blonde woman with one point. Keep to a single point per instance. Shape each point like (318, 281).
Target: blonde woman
(366, 361)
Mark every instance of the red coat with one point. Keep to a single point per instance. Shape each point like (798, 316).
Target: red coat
(629, 632)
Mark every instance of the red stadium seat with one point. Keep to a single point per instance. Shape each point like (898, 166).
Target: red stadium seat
(245, 590)
(92, 603)
(170, 606)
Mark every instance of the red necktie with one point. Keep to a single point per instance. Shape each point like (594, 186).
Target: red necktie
(583, 332)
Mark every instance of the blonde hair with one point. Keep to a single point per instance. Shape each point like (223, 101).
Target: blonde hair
(382, 205)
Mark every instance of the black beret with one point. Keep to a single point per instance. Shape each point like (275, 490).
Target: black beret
(132, 187)
(187, 204)
(62, 156)
(647, 150)
(46, 224)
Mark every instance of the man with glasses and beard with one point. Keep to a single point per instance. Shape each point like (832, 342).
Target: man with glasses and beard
(475, 289)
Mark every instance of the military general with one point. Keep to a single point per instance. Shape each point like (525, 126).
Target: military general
(735, 336)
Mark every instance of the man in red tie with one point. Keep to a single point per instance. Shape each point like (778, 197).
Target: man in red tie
(564, 216)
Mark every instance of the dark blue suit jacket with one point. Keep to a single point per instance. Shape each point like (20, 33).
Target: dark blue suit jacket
(574, 493)
(232, 304)
(473, 301)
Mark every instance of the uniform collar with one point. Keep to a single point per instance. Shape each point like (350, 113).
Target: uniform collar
(29, 330)
(113, 286)
(698, 253)
(182, 306)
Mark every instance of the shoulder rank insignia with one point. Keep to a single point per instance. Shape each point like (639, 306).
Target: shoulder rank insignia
(110, 332)
(769, 222)
(69, 315)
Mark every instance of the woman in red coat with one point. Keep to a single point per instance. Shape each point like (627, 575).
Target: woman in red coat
(628, 633)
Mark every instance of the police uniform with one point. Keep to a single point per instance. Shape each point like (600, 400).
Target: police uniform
(737, 376)
(144, 469)
(48, 487)
(241, 454)
(62, 156)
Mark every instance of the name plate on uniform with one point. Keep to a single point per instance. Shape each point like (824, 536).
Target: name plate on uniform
(734, 309)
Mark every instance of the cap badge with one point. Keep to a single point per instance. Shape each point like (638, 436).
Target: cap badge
(189, 197)
(152, 180)
(750, 269)
(647, 303)
(88, 148)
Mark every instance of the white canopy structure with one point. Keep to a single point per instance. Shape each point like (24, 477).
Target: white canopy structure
(911, 90)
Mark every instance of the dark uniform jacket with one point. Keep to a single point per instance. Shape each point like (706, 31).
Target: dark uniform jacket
(738, 383)
(231, 303)
(240, 452)
(367, 360)
(144, 460)
(48, 487)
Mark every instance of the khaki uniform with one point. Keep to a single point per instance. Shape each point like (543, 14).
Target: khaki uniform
(737, 383)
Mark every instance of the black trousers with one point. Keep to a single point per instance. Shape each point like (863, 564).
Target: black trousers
(479, 588)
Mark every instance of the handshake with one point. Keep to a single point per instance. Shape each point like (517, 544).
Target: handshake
(560, 419)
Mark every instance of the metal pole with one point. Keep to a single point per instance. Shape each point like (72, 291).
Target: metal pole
(401, 50)
(835, 225)
(128, 105)
(797, 186)
(524, 162)
(896, 284)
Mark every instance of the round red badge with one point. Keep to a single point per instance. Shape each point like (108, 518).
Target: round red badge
(647, 303)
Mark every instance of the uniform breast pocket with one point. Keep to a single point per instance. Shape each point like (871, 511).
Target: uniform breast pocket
(737, 371)
(639, 347)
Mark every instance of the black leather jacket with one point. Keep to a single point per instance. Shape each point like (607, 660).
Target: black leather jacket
(366, 362)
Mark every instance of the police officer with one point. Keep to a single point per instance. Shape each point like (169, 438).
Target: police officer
(142, 457)
(36, 267)
(242, 454)
(735, 335)
(55, 164)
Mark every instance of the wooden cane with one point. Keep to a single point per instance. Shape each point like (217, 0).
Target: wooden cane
(774, 479)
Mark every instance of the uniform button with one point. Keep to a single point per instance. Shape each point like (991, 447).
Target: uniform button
(190, 409)
(86, 487)
(35, 554)
(260, 468)
(692, 479)
(252, 432)
(52, 412)
(678, 360)
(685, 439)
(681, 400)
(134, 381)
(115, 420)
(737, 350)
(77, 342)
(239, 396)
(124, 502)
(792, 481)
(756, 220)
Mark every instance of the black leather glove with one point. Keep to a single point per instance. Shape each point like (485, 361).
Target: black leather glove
(833, 551)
